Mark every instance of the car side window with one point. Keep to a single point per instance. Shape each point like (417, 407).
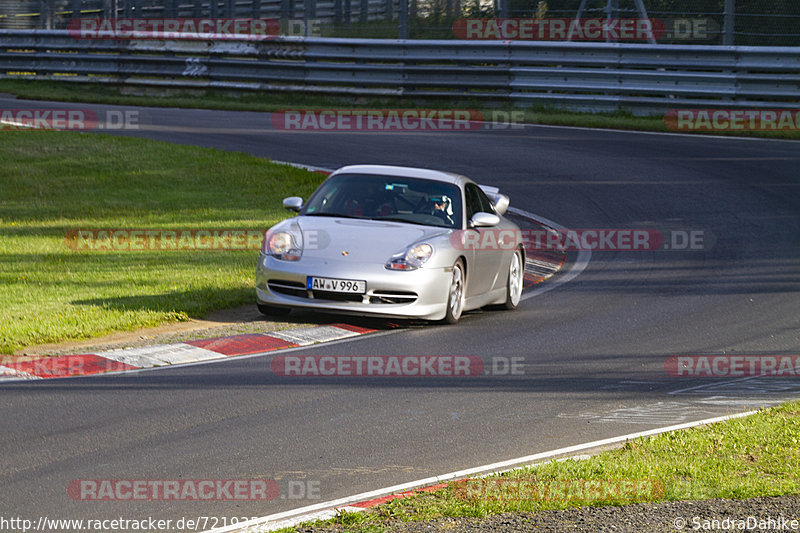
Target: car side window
(477, 201)
(486, 204)
(473, 203)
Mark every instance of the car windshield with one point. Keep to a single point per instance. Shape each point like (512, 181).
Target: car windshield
(395, 198)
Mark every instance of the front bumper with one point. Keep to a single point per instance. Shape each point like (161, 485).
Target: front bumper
(420, 293)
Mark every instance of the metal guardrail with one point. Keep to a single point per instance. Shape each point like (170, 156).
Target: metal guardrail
(586, 75)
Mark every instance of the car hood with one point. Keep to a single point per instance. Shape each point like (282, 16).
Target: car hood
(360, 240)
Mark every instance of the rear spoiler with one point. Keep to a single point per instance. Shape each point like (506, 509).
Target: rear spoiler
(499, 201)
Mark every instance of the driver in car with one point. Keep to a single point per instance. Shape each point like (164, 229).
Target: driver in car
(442, 207)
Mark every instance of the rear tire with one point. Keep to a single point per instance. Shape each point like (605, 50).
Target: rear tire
(516, 274)
(268, 310)
(455, 294)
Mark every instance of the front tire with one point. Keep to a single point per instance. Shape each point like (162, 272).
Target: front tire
(514, 285)
(455, 294)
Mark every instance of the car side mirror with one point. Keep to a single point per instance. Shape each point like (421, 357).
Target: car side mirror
(293, 203)
(501, 202)
(484, 220)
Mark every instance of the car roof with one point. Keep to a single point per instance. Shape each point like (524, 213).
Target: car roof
(405, 172)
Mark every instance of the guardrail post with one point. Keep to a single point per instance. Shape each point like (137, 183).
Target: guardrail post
(169, 9)
(287, 9)
(76, 8)
(309, 14)
(503, 9)
(363, 15)
(730, 13)
(640, 9)
(45, 21)
(337, 11)
(612, 8)
(402, 19)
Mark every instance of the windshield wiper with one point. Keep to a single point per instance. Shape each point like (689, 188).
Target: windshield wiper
(337, 215)
(398, 219)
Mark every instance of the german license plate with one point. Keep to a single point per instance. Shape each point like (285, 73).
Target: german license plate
(315, 283)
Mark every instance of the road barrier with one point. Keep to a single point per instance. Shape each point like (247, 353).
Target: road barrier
(593, 76)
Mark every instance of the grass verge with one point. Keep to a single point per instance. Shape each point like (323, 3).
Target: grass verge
(736, 459)
(266, 102)
(54, 182)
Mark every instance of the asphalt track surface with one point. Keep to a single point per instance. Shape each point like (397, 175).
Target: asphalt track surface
(594, 349)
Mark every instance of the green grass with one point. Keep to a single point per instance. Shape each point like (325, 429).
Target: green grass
(53, 182)
(740, 458)
(266, 102)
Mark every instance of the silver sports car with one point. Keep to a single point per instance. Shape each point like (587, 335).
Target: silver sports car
(393, 242)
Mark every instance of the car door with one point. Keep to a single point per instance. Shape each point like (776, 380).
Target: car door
(485, 252)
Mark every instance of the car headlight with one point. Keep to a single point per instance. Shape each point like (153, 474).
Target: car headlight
(283, 245)
(410, 259)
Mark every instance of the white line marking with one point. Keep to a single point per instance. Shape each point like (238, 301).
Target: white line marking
(17, 124)
(303, 166)
(160, 354)
(266, 523)
(313, 334)
(580, 264)
(691, 136)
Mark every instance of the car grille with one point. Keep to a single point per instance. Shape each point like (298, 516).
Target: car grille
(290, 288)
(392, 297)
(299, 290)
